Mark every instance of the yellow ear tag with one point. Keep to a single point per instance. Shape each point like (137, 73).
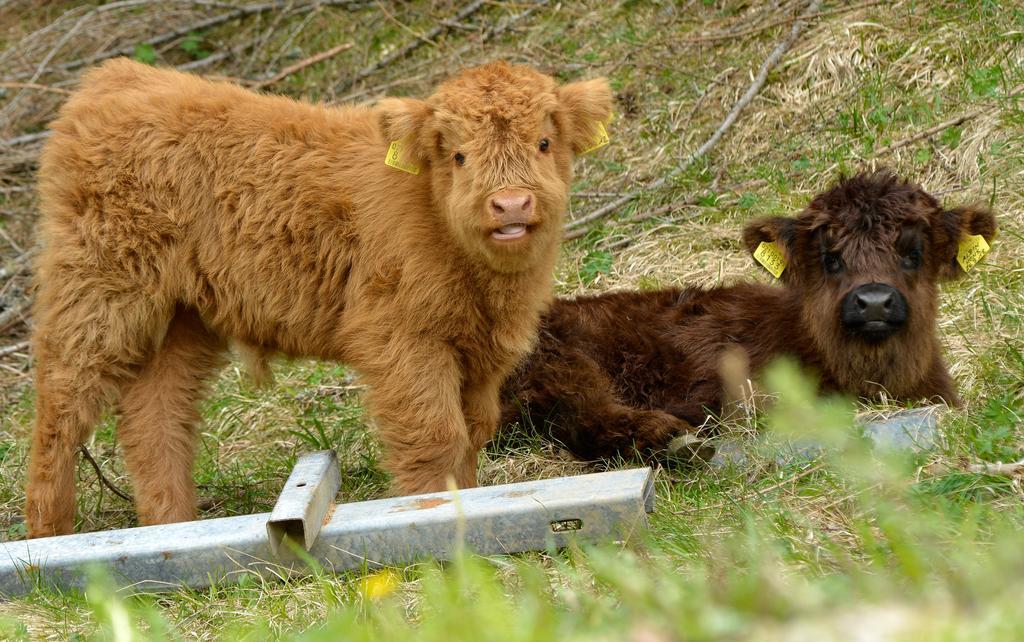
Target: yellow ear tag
(771, 257)
(972, 249)
(394, 159)
(600, 140)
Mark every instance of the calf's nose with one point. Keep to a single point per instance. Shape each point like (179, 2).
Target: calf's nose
(875, 301)
(874, 310)
(511, 207)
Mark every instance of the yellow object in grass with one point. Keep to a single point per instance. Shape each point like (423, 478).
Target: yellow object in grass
(380, 584)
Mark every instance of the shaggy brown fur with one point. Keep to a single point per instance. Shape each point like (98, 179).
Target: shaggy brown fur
(633, 370)
(180, 213)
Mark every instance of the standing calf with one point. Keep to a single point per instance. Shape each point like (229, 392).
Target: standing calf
(178, 214)
(857, 305)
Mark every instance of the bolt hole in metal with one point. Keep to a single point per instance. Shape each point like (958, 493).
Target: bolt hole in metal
(565, 525)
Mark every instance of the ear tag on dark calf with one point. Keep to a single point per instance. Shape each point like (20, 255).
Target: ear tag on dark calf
(771, 257)
(972, 249)
(600, 140)
(395, 159)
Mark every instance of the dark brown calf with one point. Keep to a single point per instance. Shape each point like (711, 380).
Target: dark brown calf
(857, 305)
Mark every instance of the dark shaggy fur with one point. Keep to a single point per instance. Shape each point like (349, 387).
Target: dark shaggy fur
(634, 370)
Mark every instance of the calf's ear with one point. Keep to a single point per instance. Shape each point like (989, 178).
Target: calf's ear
(405, 119)
(772, 229)
(779, 230)
(587, 105)
(958, 225)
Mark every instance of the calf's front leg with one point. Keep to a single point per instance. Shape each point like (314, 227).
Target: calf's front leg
(482, 409)
(415, 397)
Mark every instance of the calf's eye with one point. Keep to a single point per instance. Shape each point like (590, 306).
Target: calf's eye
(544, 143)
(833, 263)
(911, 261)
(460, 159)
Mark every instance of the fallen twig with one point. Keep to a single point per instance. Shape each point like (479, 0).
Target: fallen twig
(32, 85)
(488, 34)
(691, 200)
(206, 23)
(741, 104)
(402, 52)
(24, 139)
(10, 241)
(952, 122)
(658, 211)
(998, 468)
(302, 64)
(18, 265)
(103, 478)
(757, 492)
(931, 131)
(502, 27)
(740, 33)
(13, 315)
(14, 348)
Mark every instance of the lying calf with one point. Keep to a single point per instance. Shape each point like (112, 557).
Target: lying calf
(179, 214)
(857, 305)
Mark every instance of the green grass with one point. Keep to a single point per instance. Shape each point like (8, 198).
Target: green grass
(914, 547)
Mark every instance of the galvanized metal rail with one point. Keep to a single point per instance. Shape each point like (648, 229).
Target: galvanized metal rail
(302, 506)
(492, 520)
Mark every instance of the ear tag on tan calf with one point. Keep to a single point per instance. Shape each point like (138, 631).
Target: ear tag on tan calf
(395, 159)
(972, 249)
(771, 257)
(600, 140)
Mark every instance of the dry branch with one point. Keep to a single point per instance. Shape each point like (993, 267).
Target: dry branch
(13, 348)
(13, 315)
(998, 468)
(103, 478)
(690, 200)
(17, 266)
(34, 86)
(749, 31)
(402, 52)
(931, 131)
(206, 23)
(741, 104)
(952, 122)
(302, 64)
(24, 139)
(757, 492)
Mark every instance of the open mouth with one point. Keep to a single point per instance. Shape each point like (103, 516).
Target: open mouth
(510, 232)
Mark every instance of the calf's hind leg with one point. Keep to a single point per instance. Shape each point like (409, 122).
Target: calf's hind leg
(576, 403)
(69, 401)
(84, 352)
(159, 417)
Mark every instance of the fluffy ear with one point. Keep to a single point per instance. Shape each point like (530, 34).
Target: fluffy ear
(957, 225)
(772, 229)
(405, 119)
(586, 104)
(775, 229)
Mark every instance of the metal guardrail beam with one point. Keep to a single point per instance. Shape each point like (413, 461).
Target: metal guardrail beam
(493, 520)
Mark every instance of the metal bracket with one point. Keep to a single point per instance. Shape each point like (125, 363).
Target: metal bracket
(303, 503)
(493, 520)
